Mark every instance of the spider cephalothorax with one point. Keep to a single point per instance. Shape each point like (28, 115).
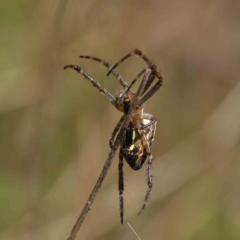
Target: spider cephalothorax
(137, 140)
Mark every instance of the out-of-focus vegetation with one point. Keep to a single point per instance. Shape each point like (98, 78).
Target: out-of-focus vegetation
(54, 126)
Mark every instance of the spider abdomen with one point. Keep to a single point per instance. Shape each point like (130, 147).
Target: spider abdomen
(134, 147)
(132, 150)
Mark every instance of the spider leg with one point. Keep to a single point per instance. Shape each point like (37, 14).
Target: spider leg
(136, 52)
(147, 148)
(147, 137)
(109, 66)
(116, 130)
(145, 71)
(121, 184)
(149, 183)
(95, 83)
(149, 82)
(151, 92)
(151, 77)
(154, 73)
(137, 77)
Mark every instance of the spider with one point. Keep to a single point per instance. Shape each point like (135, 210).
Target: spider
(135, 146)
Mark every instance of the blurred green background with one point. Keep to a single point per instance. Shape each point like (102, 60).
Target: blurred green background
(55, 127)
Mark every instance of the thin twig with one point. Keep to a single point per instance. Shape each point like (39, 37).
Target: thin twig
(109, 161)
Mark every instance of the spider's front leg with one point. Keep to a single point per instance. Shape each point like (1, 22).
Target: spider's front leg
(154, 89)
(108, 66)
(95, 83)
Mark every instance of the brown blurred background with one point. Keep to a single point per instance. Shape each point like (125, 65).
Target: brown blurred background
(55, 127)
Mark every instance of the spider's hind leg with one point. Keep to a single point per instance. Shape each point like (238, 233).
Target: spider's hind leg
(121, 184)
(146, 142)
(149, 183)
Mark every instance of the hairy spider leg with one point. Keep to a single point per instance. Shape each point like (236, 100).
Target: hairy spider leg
(149, 183)
(121, 184)
(147, 144)
(137, 77)
(134, 52)
(108, 66)
(154, 73)
(151, 92)
(95, 83)
(151, 77)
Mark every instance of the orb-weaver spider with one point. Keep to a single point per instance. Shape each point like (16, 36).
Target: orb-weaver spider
(137, 140)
